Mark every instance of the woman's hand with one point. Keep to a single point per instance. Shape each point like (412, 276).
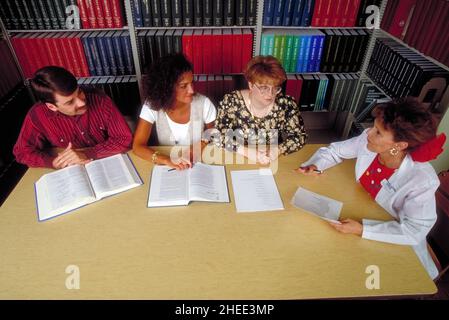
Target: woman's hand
(311, 170)
(178, 164)
(348, 226)
(274, 153)
(262, 157)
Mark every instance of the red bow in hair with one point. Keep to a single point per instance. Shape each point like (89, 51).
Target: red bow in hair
(429, 150)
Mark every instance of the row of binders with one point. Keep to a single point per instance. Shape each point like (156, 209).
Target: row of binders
(317, 13)
(327, 51)
(331, 92)
(59, 14)
(400, 71)
(211, 51)
(105, 53)
(190, 13)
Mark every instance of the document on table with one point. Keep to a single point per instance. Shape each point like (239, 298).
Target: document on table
(255, 190)
(324, 207)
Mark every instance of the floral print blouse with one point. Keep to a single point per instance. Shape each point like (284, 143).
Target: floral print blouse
(282, 126)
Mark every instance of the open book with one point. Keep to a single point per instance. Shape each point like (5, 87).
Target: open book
(202, 182)
(70, 188)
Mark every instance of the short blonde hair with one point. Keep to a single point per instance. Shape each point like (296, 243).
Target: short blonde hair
(265, 69)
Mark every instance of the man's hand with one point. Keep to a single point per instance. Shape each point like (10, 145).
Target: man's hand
(70, 157)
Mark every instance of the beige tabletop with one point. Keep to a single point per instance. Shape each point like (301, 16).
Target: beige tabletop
(124, 250)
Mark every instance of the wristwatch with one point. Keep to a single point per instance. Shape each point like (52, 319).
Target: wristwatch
(154, 156)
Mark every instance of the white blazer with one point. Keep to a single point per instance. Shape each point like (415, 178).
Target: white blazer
(409, 196)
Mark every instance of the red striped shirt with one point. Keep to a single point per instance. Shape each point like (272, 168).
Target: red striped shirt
(102, 129)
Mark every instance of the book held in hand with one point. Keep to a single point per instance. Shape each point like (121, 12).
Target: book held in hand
(202, 182)
(70, 188)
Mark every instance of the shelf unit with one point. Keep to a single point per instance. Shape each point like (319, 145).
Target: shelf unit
(11, 103)
(363, 75)
(380, 33)
(344, 121)
(319, 124)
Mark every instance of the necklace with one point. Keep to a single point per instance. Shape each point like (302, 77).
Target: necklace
(265, 111)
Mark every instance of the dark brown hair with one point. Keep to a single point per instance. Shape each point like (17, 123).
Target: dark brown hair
(50, 80)
(408, 120)
(161, 79)
(265, 67)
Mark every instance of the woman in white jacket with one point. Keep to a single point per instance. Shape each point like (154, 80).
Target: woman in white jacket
(392, 165)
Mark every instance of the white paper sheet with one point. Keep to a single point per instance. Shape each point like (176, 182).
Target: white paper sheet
(322, 206)
(255, 190)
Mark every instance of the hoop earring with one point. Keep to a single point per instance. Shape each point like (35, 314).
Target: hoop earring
(394, 152)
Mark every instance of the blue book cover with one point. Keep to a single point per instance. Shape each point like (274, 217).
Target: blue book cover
(297, 12)
(102, 51)
(288, 12)
(268, 12)
(278, 12)
(120, 60)
(110, 52)
(301, 53)
(95, 54)
(312, 54)
(127, 52)
(307, 13)
(89, 58)
(308, 45)
(320, 53)
(137, 10)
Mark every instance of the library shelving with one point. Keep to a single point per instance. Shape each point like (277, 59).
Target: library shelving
(15, 100)
(414, 52)
(169, 25)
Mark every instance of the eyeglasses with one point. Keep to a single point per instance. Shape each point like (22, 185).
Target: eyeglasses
(264, 89)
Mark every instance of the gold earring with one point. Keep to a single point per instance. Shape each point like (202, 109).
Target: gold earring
(394, 152)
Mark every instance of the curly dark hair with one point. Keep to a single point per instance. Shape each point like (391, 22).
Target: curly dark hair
(161, 79)
(408, 119)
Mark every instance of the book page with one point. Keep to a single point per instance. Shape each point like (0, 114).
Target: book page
(63, 190)
(208, 183)
(324, 207)
(255, 190)
(110, 175)
(168, 188)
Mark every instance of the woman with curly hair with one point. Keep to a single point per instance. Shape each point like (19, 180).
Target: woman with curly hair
(261, 115)
(178, 113)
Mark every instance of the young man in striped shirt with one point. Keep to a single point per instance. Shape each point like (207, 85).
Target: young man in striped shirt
(68, 125)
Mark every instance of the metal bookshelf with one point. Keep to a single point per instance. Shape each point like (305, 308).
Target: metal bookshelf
(66, 30)
(339, 128)
(363, 75)
(257, 35)
(195, 28)
(386, 34)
